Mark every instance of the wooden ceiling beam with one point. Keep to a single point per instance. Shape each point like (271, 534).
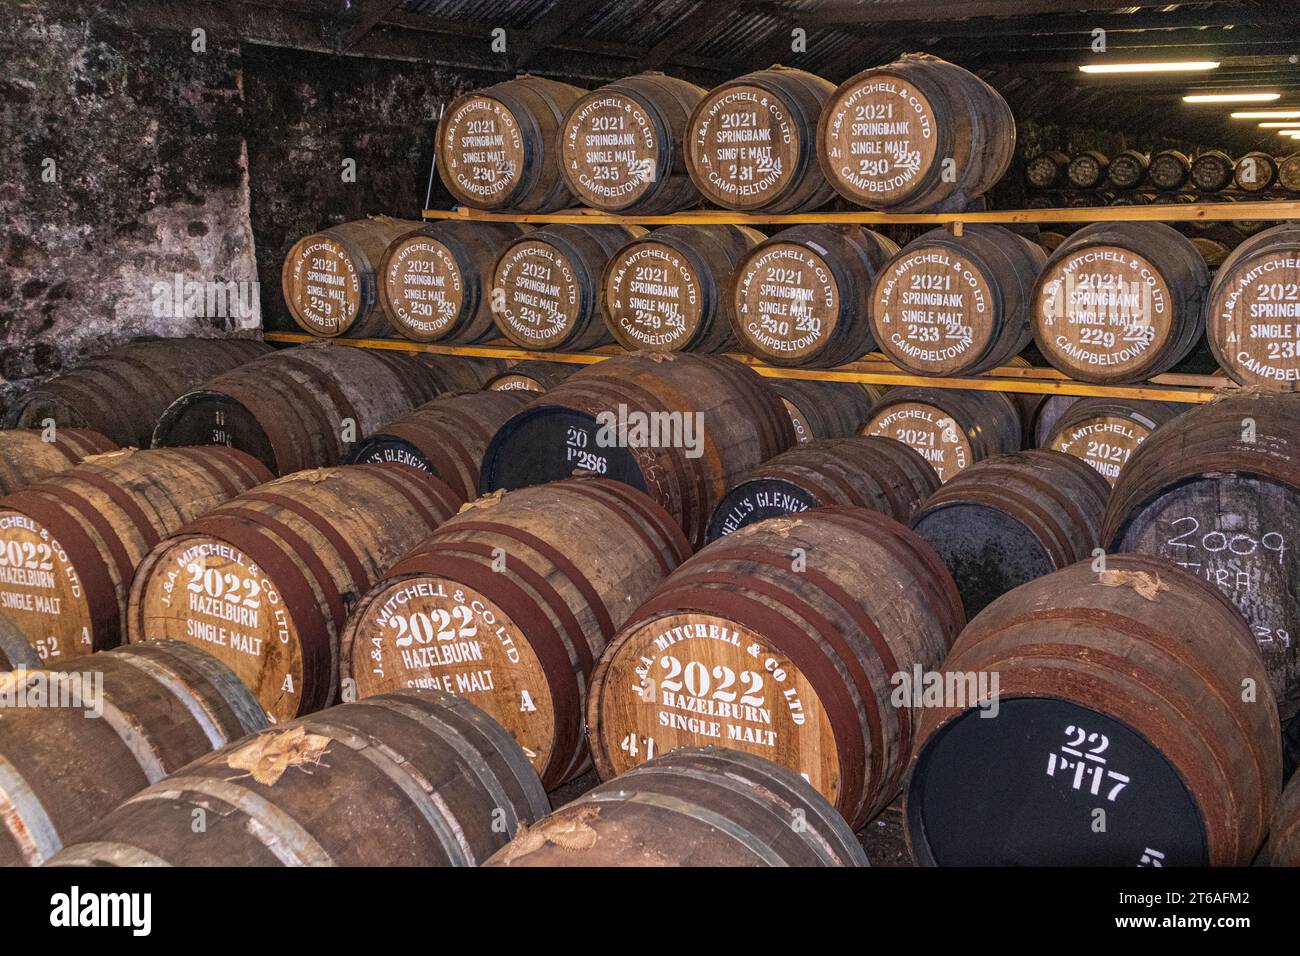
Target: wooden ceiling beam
(369, 13)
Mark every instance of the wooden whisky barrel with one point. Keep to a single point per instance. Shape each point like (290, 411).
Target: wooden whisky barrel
(1255, 172)
(1047, 170)
(623, 145)
(445, 438)
(1120, 302)
(696, 806)
(291, 410)
(265, 581)
(72, 542)
(1217, 490)
(800, 297)
(825, 409)
(26, 457)
(1043, 418)
(1119, 692)
(1169, 170)
(752, 142)
(1105, 432)
(1283, 845)
(1127, 170)
(669, 290)
(1252, 312)
(956, 305)
(1288, 173)
(863, 471)
(917, 134)
(551, 285)
(125, 719)
(1087, 169)
(435, 282)
(748, 647)
(122, 393)
(1211, 171)
(511, 603)
(1011, 519)
(681, 428)
(417, 778)
(15, 650)
(950, 428)
(330, 279)
(531, 376)
(1212, 251)
(498, 147)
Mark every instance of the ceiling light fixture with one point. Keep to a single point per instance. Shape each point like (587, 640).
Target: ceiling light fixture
(1268, 114)
(1189, 66)
(1232, 97)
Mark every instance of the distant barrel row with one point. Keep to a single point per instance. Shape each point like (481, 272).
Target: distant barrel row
(916, 134)
(1210, 171)
(1113, 303)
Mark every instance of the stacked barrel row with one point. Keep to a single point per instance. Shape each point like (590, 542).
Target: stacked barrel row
(1113, 303)
(575, 600)
(1209, 172)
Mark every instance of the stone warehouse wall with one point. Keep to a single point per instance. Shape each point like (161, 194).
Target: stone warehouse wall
(123, 168)
(311, 117)
(137, 167)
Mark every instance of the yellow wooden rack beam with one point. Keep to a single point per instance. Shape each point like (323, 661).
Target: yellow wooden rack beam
(1269, 210)
(873, 370)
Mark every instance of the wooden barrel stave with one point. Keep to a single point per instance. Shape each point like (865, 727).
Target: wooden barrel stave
(122, 393)
(445, 437)
(1248, 325)
(551, 285)
(1047, 170)
(830, 643)
(1212, 171)
(1255, 172)
(862, 471)
(1127, 170)
(972, 126)
(160, 706)
(1088, 169)
(1010, 519)
(696, 806)
(92, 525)
(1283, 845)
(786, 103)
(531, 376)
(291, 409)
(830, 269)
(26, 457)
(499, 567)
(669, 290)
(435, 282)
(1105, 432)
(649, 114)
(297, 553)
(560, 431)
(1149, 283)
(521, 169)
(1169, 170)
(989, 270)
(950, 428)
(416, 778)
(1147, 660)
(330, 279)
(1227, 469)
(820, 410)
